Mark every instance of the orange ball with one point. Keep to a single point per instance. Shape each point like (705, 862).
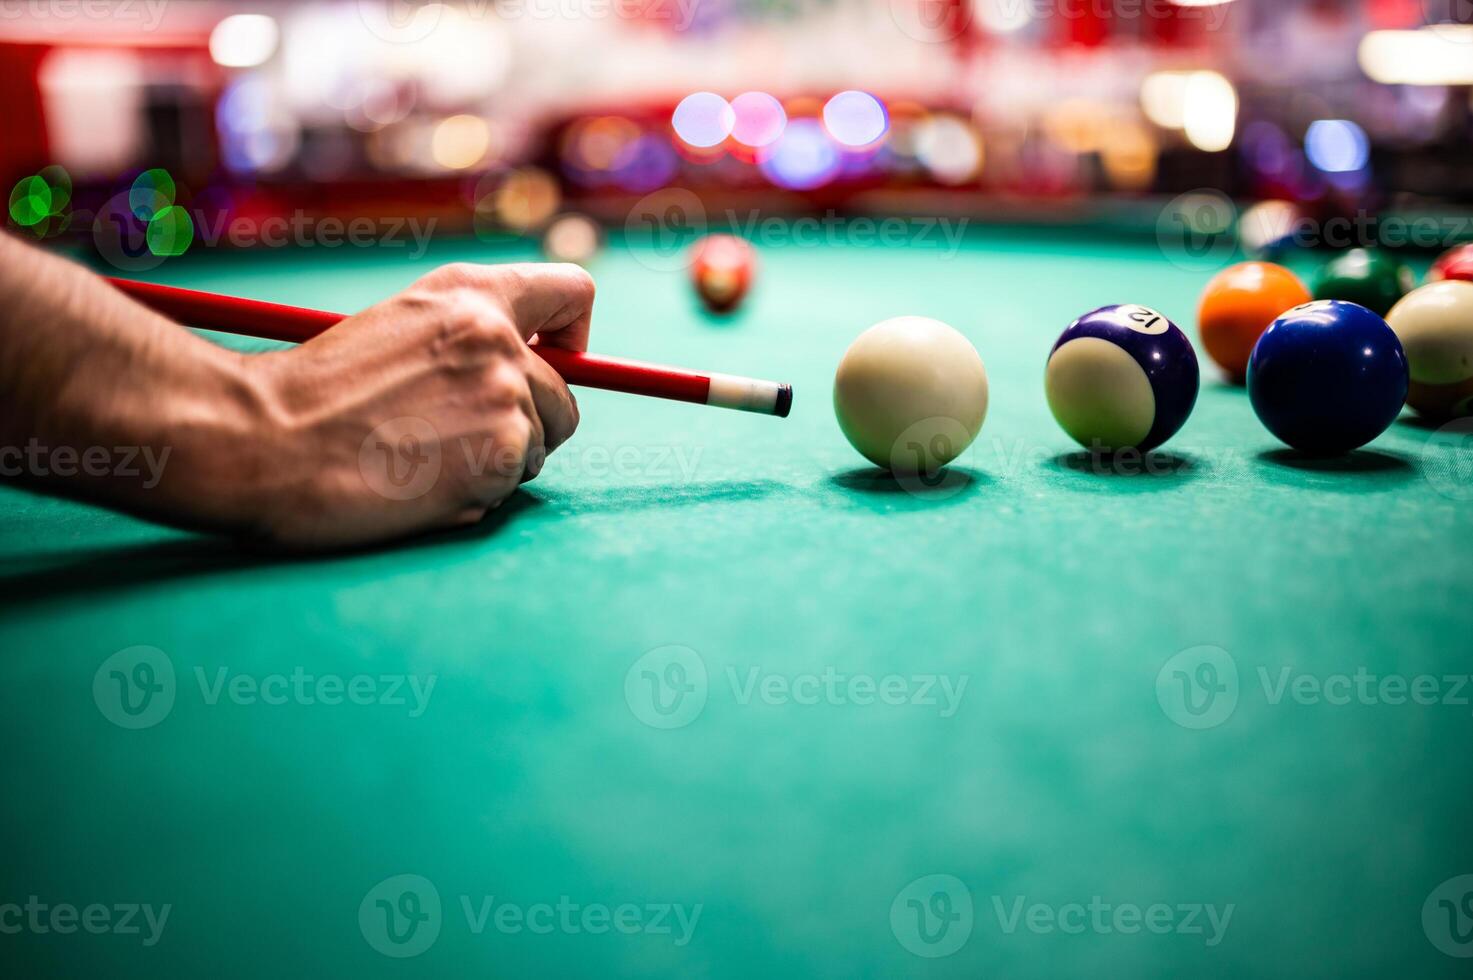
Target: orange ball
(1237, 307)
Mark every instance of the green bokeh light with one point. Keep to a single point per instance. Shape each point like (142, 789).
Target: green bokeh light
(170, 232)
(152, 193)
(30, 202)
(60, 182)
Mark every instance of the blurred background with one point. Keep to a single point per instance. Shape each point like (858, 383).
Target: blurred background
(496, 117)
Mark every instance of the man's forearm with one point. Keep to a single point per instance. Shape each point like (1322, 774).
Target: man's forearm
(88, 377)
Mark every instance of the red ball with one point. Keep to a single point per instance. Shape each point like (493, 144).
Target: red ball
(1455, 263)
(721, 269)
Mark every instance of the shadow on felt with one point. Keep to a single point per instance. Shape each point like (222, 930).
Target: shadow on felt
(948, 485)
(1154, 465)
(121, 568)
(1359, 461)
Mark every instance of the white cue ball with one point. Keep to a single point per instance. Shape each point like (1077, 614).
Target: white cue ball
(910, 394)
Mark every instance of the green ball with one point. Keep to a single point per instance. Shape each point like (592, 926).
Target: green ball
(1365, 276)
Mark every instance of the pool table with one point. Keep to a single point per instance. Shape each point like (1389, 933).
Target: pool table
(712, 697)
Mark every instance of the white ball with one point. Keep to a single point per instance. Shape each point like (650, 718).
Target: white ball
(910, 394)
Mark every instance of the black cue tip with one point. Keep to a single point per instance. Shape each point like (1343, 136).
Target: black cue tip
(784, 401)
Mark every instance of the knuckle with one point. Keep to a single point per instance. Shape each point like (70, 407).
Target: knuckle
(454, 275)
(580, 282)
(471, 325)
(507, 387)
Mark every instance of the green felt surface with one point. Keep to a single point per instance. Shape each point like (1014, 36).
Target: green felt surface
(1055, 594)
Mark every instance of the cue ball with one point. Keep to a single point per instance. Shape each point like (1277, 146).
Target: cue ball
(1121, 377)
(1435, 325)
(1327, 377)
(910, 394)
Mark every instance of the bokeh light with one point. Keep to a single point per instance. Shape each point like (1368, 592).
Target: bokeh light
(1267, 228)
(461, 142)
(521, 200)
(255, 134)
(855, 118)
(151, 193)
(949, 147)
(1337, 146)
(244, 40)
(1209, 111)
(170, 232)
(759, 119)
(646, 164)
(30, 202)
(803, 158)
(703, 119)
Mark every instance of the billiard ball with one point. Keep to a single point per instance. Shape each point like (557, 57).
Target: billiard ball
(1365, 276)
(1455, 263)
(1327, 377)
(721, 270)
(910, 394)
(1121, 377)
(1238, 305)
(1435, 325)
(571, 238)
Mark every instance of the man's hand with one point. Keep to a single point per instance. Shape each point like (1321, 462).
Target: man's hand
(424, 411)
(420, 413)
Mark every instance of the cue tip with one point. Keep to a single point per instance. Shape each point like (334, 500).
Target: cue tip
(784, 401)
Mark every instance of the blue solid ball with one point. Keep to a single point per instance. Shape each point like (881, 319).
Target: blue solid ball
(1122, 377)
(1327, 377)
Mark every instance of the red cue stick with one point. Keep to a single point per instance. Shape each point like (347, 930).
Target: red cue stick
(273, 321)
